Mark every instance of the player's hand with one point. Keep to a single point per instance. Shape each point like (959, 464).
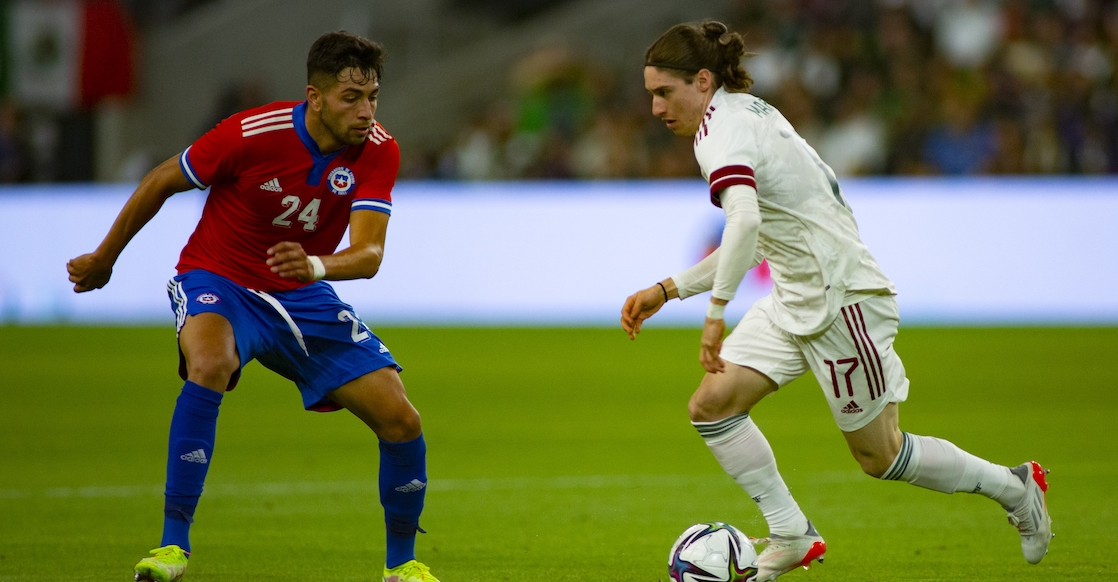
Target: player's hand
(89, 271)
(639, 307)
(711, 346)
(289, 260)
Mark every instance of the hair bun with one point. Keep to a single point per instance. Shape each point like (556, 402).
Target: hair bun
(715, 30)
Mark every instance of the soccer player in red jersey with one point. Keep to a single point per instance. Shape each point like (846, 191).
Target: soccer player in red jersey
(285, 180)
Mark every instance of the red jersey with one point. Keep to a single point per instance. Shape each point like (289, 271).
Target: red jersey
(269, 183)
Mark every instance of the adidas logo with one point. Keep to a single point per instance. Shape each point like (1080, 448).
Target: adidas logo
(851, 408)
(383, 348)
(198, 456)
(272, 185)
(415, 485)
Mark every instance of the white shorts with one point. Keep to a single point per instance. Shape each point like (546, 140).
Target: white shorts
(853, 359)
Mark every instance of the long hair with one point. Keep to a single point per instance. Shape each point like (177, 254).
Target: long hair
(685, 49)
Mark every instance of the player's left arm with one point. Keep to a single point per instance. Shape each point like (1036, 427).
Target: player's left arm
(360, 260)
(738, 251)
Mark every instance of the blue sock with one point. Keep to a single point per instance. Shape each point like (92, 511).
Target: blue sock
(403, 484)
(191, 445)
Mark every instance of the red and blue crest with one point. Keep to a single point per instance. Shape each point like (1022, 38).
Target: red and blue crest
(341, 180)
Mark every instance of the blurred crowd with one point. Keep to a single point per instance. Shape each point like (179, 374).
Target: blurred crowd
(564, 118)
(38, 145)
(913, 87)
(879, 87)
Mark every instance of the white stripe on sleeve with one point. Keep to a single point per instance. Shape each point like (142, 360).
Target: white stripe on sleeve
(184, 163)
(369, 204)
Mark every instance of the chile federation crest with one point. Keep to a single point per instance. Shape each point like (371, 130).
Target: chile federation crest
(340, 180)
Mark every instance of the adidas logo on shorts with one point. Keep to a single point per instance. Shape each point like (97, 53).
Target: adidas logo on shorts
(415, 485)
(851, 408)
(198, 456)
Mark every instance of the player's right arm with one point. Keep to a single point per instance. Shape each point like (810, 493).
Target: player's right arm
(92, 270)
(696, 279)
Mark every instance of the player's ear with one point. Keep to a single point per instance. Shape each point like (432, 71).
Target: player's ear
(314, 97)
(704, 80)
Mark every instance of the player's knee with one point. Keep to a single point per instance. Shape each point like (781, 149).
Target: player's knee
(211, 370)
(404, 426)
(704, 408)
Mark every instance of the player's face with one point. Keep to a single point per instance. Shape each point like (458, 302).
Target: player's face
(348, 106)
(678, 103)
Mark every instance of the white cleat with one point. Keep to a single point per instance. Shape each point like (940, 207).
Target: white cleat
(1030, 517)
(785, 553)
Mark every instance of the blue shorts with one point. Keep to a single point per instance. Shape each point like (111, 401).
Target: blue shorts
(308, 335)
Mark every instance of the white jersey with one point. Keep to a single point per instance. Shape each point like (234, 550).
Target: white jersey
(808, 234)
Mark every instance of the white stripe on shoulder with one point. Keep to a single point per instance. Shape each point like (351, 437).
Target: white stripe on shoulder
(251, 118)
(268, 128)
(266, 121)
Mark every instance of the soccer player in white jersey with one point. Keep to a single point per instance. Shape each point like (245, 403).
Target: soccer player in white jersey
(832, 310)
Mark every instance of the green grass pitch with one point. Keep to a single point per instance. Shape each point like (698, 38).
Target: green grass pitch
(555, 454)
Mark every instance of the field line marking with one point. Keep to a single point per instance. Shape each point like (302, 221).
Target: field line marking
(370, 486)
(437, 486)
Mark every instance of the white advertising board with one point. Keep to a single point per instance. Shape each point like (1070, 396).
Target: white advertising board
(961, 251)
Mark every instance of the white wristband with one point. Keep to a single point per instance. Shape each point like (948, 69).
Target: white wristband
(318, 270)
(716, 311)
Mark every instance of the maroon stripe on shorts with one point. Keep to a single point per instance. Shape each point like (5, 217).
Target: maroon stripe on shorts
(875, 387)
(880, 368)
(847, 316)
(834, 378)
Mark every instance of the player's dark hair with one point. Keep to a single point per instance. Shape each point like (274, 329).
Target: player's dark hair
(685, 49)
(338, 51)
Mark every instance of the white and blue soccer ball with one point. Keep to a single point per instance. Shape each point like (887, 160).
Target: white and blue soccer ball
(712, 552)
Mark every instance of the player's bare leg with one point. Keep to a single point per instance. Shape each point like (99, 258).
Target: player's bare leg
(379, 400)
(885, 452)
(210, 354)
(877, 444)
(210, 350)
(736, 390)
(719, 409)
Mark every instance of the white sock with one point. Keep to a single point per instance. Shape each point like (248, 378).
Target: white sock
(938, 465)
(746, 456)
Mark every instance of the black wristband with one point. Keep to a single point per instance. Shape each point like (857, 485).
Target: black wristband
(665, 290)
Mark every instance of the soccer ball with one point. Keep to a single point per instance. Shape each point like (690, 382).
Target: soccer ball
(712, 552)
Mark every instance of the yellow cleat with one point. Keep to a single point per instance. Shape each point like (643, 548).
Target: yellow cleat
(410, 571)
(166, 564)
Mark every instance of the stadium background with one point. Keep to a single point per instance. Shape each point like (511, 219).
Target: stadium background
(975, 140)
